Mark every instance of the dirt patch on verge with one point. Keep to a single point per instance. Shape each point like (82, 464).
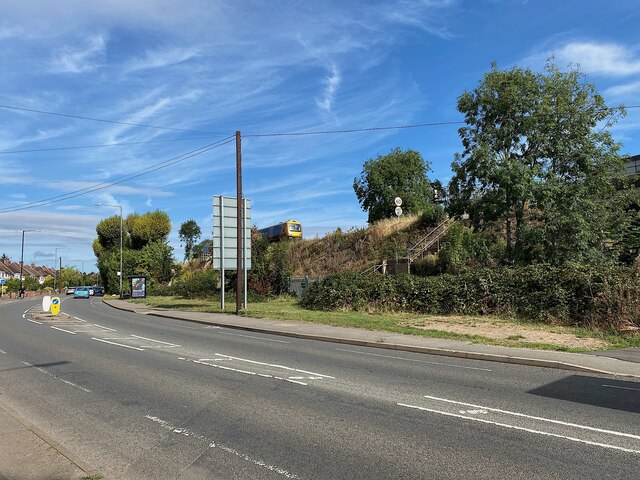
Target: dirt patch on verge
(505, 331)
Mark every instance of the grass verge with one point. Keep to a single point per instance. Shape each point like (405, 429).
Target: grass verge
(287, 308)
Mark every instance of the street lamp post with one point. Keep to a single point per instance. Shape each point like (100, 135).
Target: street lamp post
(120, 207)
(55, 261)
(22, 257)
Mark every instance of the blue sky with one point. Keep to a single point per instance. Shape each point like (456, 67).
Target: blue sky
(215, 67)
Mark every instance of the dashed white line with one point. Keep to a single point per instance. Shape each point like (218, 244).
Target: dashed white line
(157, 341)
(237, 370)
(79, 319)
(189, 433)
(106, 328)
(58, 378)
(414, 360)
(118, 344)
(63, 330)
(252, 336)
(542, 419)
(523, 429)
(34, 321)
(274, 365)
(3, 352)
(622, 388)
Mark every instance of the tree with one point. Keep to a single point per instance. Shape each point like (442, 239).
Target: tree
(533, 161)
(150, 227)
(397, 174)
(189, 234)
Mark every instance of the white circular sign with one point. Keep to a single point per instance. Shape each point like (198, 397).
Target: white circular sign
(398, 211)
(46, 303)
(398, 201)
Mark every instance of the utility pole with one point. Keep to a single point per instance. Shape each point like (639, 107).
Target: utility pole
(239, 226)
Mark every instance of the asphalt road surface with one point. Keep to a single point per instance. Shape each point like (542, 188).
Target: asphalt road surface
(148, 398)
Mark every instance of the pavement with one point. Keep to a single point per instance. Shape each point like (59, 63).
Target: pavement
(623, 363)
(28, 453)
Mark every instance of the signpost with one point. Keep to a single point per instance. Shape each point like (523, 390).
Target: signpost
(46, 303)
(55, 305)
(2, 282)
(225, 238)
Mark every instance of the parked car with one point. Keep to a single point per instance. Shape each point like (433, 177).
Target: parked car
(81, 292)
(90, 291)
(70, 290)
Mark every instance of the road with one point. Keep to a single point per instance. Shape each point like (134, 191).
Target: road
(143, 397)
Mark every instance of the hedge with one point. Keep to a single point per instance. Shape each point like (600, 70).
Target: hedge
(597, 296)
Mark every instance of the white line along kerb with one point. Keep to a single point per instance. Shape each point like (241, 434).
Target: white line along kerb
(542, 419)
(523, 429)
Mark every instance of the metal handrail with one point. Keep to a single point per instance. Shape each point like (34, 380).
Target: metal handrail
(425, 242)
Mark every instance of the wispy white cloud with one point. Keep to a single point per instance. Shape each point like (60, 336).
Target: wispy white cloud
(597, 58)
(155, 59)
(80, 60)
(623, 90)
(331, 82)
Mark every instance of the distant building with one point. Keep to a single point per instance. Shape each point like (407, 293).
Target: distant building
(632, 165)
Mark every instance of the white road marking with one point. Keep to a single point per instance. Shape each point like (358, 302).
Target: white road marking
(57, 378)
(189, 433)
(252, 336)
(622, 388)
(63, 330)
(530, 430)
(3, 352)
(157, 341)
(557, 422)
(118, 344)
(237, 370)
(274, 365)
(106, 328)
(414, 360)
(79, 319)
(34, 321)
(24, 316)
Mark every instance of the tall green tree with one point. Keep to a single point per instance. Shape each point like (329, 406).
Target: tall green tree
(189, 234)
(534, 161)
(398, 174)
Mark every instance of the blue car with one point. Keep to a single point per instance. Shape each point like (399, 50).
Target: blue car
(81, 292)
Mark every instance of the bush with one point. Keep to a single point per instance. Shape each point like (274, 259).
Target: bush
(605, 297)
(197, 284)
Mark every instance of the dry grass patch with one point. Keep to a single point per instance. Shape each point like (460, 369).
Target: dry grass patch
(507, 331)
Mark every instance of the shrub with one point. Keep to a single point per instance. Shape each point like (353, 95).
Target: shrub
(606, 297)
(197, 284)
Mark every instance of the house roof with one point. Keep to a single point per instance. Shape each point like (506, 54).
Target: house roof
(14, 267)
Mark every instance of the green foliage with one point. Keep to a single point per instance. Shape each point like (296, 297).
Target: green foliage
(145, 248)
(534, 162)
(69, 277)
(150, 227)
(197, 284)
(397, 174)
(270, 270)
(189, 233)
(155, 260)
(108, 231)
(607, 297)
(12, 285)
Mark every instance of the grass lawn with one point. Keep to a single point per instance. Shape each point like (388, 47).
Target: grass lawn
(287, 308)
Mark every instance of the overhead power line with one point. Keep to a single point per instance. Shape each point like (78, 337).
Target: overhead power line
(131, 124)
(119, 180)
(76, 147)
(351, 130)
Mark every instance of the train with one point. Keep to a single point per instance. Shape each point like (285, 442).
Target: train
(282, 231)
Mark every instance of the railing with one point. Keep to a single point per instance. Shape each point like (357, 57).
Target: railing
(372, 269)
(428, 240)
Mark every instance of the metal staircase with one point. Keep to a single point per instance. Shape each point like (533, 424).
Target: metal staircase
(430, 240)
